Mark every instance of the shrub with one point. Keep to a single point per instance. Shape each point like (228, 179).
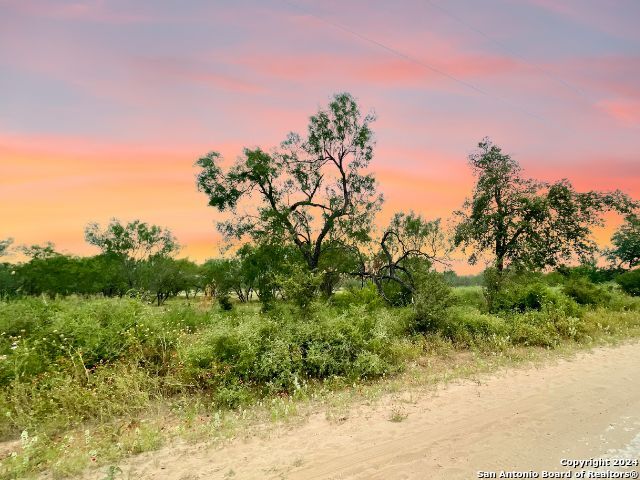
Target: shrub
(224, 300)
(533, 329)
(521, 295)
(432, 300)
(300, 286)
(466, 326)
(278, 353)
(78, 335)
(585, 293)
(366, 295)
(630, 282)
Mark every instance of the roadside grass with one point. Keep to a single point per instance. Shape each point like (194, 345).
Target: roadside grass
(74, 416)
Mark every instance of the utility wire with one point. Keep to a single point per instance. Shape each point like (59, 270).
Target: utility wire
(510, 50)
(417, 61)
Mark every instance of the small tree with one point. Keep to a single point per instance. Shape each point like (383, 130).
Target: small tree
(410, 244)
(311, 193)
(164, 277)
(626, 243)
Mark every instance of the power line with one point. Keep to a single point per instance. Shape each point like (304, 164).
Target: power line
(515, 54)
(417, 61)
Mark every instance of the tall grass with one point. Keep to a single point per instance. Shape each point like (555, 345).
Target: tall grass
(102, 364)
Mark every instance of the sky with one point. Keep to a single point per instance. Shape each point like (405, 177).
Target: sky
(106, 105)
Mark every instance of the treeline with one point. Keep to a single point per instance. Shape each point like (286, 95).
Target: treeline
(136, 263)
(302, 219)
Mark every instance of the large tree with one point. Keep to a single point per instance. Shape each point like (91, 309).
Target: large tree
(525, 222)
(626, 243)
(312, 192)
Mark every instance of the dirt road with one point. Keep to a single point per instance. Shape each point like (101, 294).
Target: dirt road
(520, 420)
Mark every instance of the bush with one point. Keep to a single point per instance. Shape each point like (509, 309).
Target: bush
(630, 282)
(432, 300)
(521, 294)
(466, 326)
(78, 335)
(224, 300)
(585, 293)
(279, 353)
(366, 295)
(300, 286)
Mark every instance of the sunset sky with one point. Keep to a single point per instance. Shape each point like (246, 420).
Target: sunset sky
(106, 105)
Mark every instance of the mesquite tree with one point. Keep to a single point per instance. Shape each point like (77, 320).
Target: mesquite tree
(525, 222)
(409, 245)
(311, 192)
(131, 243)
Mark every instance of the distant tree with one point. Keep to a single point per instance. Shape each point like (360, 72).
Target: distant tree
(4, 246)
(8, 280)
(48, 250)
(626, 243)
(218, 275)
(53, 274)
(132, 242)
(231, 275)
(136, 240)
(164, 277)
(312, 193)
(528, 223)
(104, 274)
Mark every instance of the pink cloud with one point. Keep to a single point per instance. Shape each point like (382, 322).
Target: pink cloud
(189, 71)
(382, 69)
(92, 11)
(624, 111)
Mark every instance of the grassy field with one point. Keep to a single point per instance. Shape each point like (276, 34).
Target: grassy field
(85, 382)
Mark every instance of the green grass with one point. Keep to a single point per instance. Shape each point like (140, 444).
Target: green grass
(86, 382)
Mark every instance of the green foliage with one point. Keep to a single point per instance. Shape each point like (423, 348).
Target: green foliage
(590, 271)
(8, 281)
(281, 353)
(366, 295)
(300, 286)
(78, 336)
(4, 246)
(626, 243)
(471, 296)
(432, 300)
(408, 245)
(585, 293)
(466, 326)
(164, 277)
(135, 240)
(522, 292)
(524, 222)
(630, 282)
(456, 280)
(68, 363)
(312, 193)
(225, 302)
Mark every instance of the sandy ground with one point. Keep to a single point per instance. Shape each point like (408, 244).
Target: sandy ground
(520, 419)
